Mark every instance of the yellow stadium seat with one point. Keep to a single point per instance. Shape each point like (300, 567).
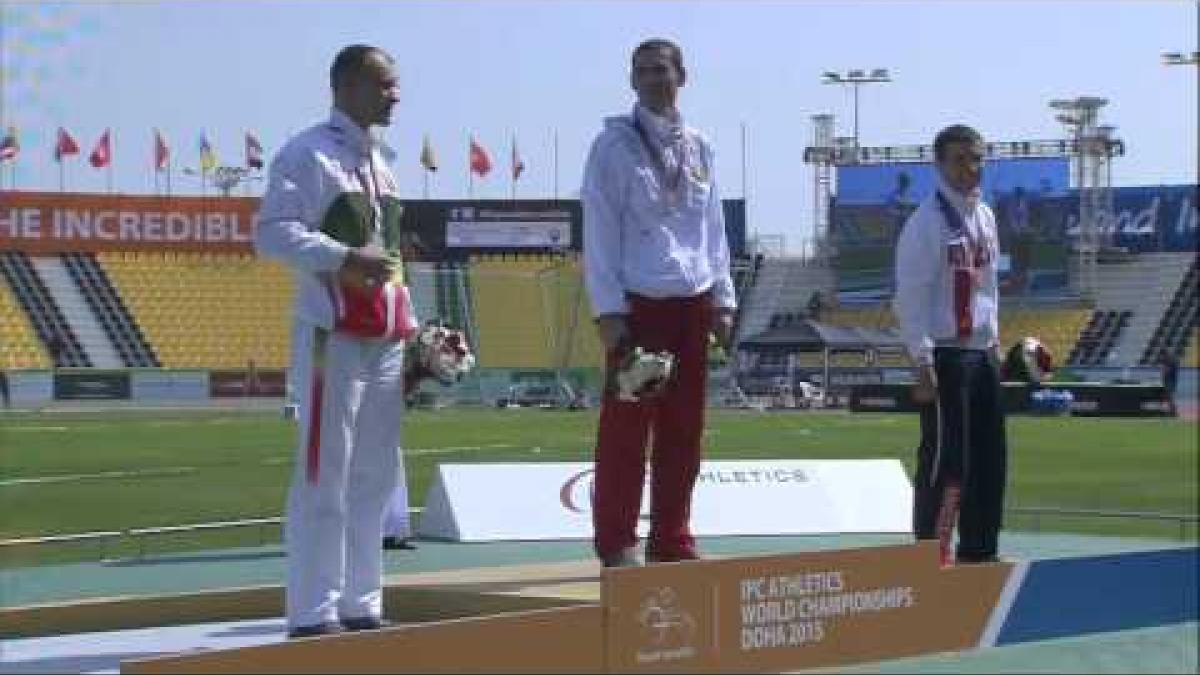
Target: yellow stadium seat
(22, 348)
(189, 305)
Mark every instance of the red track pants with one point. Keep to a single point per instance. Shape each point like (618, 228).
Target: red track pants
(680, 326)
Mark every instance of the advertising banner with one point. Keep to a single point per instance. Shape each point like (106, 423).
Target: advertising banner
(1087, 399)
(760, 497)
(239, 383)
(778, 614)
(169, 385)
(1028, 196)
(91, 385)
(50, 222)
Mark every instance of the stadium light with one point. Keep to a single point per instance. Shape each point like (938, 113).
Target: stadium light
(1181, 59)
(225, 178)
(856, 78)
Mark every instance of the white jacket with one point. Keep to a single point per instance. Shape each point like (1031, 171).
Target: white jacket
(924, 302)
(317, 206)
(632, 243)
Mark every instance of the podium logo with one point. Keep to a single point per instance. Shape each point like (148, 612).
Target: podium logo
(577, 492)
(668, 631)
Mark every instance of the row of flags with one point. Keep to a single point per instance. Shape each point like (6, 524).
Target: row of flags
(101, 156)
(479, 159)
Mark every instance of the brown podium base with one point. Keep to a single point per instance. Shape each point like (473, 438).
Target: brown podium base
(765, 613)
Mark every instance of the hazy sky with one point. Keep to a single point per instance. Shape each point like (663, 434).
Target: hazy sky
(536, 68)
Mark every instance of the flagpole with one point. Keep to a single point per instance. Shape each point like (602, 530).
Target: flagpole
(62, 176)
(556, 163)
(425, 180)
(470, 173)
(109, 164)
(743, 162)
(168, 175)
(512, 170)
(155, 167)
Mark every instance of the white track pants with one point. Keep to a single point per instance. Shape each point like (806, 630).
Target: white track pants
(345, 472)
(395, 519)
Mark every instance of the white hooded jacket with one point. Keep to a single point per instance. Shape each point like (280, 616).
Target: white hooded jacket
(924, 302)
(328, 190)
(632, 242)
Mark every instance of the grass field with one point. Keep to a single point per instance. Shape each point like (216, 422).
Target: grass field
(63, 473)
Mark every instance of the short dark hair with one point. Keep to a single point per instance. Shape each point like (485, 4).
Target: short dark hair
(350, 62)
(957, 133)
(660, 43)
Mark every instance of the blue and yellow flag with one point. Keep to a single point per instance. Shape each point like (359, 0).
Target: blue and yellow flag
(208, 158)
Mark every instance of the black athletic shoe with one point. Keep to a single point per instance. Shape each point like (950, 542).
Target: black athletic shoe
(315, 630)
(976, 559)
(398, 544)
(365, 623)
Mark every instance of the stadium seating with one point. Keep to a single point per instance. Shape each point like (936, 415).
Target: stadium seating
(531, 311)
(1143, 284)
(510, 308)
(19, 344)
(576, 342)
(1191, 353)
(1058, 328)
(870, 316)
(1178, 321)
(1098, 336)
(212, 310)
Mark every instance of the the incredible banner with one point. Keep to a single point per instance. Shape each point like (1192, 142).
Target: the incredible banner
(51, 222)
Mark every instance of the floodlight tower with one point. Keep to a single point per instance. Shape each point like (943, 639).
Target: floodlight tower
(1181, 59)
(856, 78)
(1093, 179)
(820, 154)
(226, 178)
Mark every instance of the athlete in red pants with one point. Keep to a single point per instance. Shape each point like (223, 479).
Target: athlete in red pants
(656, 263)
(679, 326)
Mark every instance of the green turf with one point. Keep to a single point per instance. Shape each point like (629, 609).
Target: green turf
(209, 465)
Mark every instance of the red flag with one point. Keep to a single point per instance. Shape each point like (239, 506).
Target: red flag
(518, 165)
(65, 145)
(481, 163)
(162, 154)
(254, 152)
(9, 146)
(102, 153)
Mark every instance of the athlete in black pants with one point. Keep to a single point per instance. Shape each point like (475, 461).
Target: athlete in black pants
(947, 304)
(961, 462)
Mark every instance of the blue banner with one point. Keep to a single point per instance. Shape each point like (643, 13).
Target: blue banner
(1037, 220)
(1153, 218)
(909, 183)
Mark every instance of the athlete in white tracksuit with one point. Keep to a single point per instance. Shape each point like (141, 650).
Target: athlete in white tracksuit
(330, 208)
